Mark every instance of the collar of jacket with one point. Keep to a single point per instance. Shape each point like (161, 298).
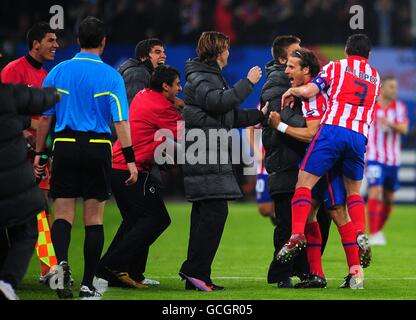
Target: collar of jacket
(273, 65)
(195, 65)
(34, 63)
(148, 64)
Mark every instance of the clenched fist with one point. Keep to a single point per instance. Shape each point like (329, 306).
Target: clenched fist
(254, 74)
(274, 119)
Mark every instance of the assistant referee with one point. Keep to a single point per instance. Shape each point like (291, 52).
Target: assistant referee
(93, 94)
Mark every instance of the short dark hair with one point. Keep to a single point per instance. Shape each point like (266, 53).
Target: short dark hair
(280, 44)
(388, 77)
(37, 32)
(358, 45)
(211, 44)
(163, 74)
(144, 47)
(307, 59)
(91, 32)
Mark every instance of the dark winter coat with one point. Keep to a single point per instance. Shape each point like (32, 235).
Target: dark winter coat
(20, 197)
(283, 153)
(211, 104)
(136, 76)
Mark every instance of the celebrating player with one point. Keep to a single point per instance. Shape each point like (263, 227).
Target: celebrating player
(330, 191)
(352, 86)
(383, 157)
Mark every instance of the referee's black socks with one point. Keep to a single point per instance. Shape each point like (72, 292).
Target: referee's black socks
(61, 236)
(93, 247)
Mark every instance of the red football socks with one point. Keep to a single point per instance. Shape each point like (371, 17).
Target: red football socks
(375, 214)
(313, 249)
(301, 206)
(385, 214)
(356, 210)
(348, 235)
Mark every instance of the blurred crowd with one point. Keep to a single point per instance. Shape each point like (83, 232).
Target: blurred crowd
(387, 22)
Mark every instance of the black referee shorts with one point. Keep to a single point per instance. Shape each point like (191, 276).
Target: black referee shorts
(81, 165)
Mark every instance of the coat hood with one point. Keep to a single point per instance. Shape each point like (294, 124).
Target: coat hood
(195, 65)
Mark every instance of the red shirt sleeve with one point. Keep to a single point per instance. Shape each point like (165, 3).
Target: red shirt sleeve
(11, 75)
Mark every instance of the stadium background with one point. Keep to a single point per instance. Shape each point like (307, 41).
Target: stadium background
(323, 26)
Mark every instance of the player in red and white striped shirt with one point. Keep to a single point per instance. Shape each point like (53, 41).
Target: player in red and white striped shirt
(383, 157)
(265, 204)
(352, 86)
(329, 192)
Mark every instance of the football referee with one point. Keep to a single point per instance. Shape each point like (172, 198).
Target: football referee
(93, 93)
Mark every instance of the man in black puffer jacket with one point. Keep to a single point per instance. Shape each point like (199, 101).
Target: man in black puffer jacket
(210, 104)
(282, 158)
(20, 197)
(136, 72)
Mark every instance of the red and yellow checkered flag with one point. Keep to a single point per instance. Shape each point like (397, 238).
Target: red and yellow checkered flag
(44, 247)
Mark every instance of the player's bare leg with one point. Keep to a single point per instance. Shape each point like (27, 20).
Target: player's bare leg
(266, 209)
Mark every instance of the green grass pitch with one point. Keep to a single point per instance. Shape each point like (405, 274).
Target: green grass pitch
(243, 258)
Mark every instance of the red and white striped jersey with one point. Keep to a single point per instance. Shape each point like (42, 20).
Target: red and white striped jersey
(314, 108)
(261, 169)
(352, 88)
(384, 144)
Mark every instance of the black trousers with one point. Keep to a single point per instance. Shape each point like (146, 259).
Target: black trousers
(299, 266)
(144, 219)
(21, 243)
(207, 225)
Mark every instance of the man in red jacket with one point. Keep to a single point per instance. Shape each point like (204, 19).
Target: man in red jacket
(144, 213)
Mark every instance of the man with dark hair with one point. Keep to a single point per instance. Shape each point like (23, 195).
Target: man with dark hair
(21, 199)
(358, 45)
(282, 45)
(136, 72)
(283, 154)
(93, 95)
(353, 86)
(42, 44)
(144, 213)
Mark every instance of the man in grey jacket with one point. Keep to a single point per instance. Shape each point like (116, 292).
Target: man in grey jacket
(136, 72)
(282, 157)
(211, 104)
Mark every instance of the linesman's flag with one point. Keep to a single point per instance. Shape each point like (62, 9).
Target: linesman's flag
(44, 247)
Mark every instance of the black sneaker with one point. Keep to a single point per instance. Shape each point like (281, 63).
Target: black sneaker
(66, 291)
(87, 293)
(312, 282)
(346, 283)
(285, 284)
(353, 282)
